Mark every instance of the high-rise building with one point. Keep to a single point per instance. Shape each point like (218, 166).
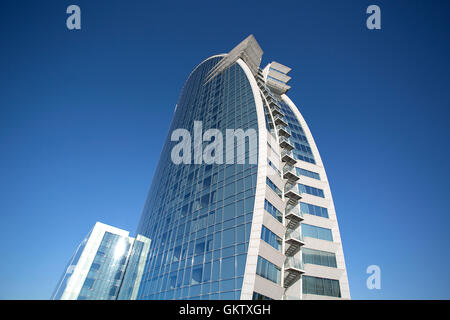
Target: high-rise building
(252, 222)
(96, 270)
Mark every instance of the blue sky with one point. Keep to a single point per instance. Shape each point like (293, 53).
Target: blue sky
(83, 116)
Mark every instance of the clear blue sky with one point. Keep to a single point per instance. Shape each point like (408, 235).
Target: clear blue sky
(83, 116)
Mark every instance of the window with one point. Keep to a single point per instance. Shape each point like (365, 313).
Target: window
(311, 190)
(259, 296)
(268, 270)
(307, 173)
(302, 149)
(274, 167)
(273, 187)
(273, 211)
(228, 268)
(197, 274)
(321, 286)
(316, 232)
(299, 156)
(118, 275)
(271, 238)
(88, 283)
(95, 266)
(313, 210)
(113, 291)
(321, 258)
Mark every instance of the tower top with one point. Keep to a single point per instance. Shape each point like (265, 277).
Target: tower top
(275, 75)
(248, 50)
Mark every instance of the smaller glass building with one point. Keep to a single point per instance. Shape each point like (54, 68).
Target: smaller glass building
(98, 266)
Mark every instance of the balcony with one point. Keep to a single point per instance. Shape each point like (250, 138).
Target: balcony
(291, 193)
(293, 216)
(294, 240)
(260, 76)
(293, 268)
(290, 173)
(279, 120)
(286, 144)
(288, 157)
(270, 94)
(273, 103)
(276, 111)
(284, 131)
(270, 99)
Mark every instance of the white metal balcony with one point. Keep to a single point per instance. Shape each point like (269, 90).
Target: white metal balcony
(288, 157)
(293, 216)
(276, 111)
(290, 173)
(294, 240)
(279, 120)
(291, 193)
(293, 270)
(284, 131)
(285, 143)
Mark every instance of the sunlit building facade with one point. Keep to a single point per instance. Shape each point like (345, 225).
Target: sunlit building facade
(96, 270)
(265, 229)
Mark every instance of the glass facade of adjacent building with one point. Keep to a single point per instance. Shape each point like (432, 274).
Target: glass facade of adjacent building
(70, 268)
(134, 269)
(98, 266)
(106, 272)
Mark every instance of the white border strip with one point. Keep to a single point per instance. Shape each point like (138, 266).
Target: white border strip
(258, 210)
